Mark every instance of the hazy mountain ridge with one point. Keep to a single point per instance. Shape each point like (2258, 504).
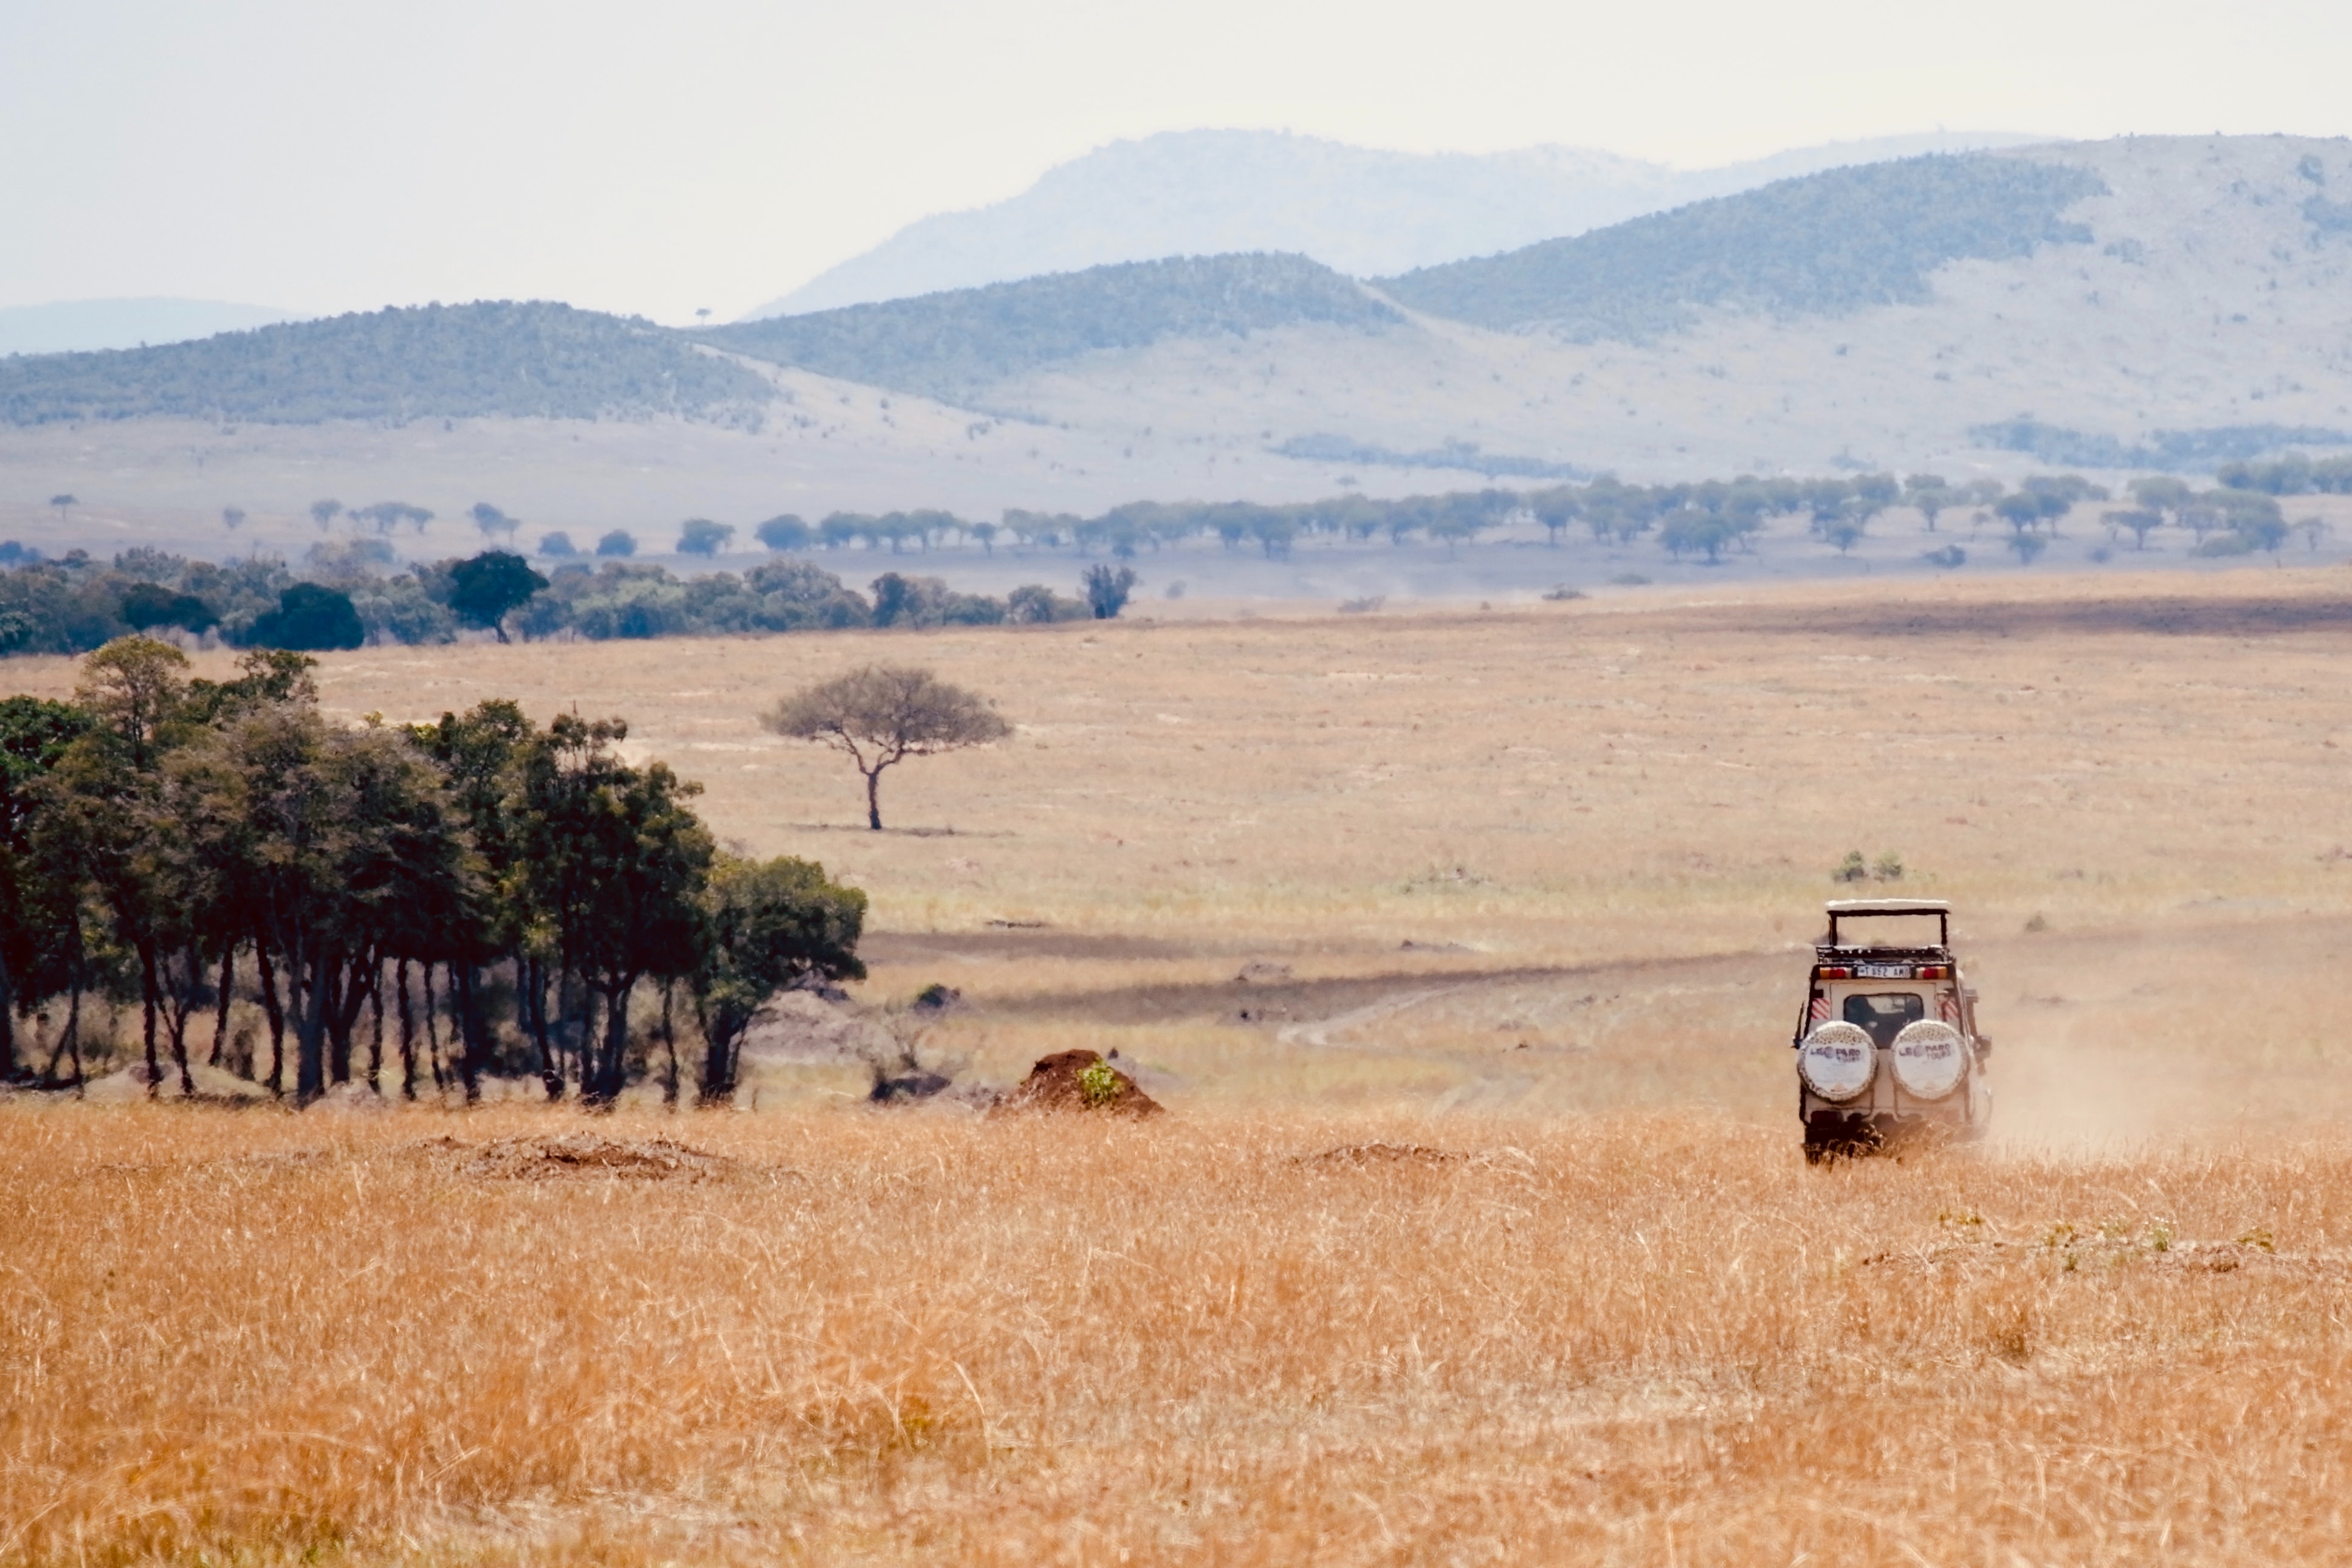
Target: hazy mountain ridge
(1824, 245)
(1363, 211)
(955, 345)
(481, 360)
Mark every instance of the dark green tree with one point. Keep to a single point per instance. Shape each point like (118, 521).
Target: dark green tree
(700, 536)
(784, 532)
(767, 925)
(1108, 589)
(616, 863)
(33, 734)
(309, 617)
(486, 589)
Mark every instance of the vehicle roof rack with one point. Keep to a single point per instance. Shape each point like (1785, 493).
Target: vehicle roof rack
(1851, 909)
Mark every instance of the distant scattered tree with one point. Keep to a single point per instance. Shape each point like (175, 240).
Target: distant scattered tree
(65, 505)
(2140, 521)
(2021, 512)
(492, 521)
(986, 534)
(884, 714)
(557, 545)
(491, 587)
(1108, 589)
(784, 532)
(232, 518)
(1033, 603)
(620, 542)
(2028, 547)
(700, 536)
(386, 516)
(1930, 496)
(324, 512)
(2312, 528)
(309, 618)
(1845, 533)
(2162, 493)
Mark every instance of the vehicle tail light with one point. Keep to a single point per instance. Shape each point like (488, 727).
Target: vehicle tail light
(1837, 974)
(1935, 972)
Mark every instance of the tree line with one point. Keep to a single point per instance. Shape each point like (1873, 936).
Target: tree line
(182, 845)
(354, 591)
(349, 599)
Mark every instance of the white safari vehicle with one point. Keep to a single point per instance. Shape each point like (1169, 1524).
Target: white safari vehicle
(1887, 1047)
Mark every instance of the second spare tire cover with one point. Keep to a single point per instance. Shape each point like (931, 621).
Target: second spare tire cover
(1929, 1059)
(1837, 1061)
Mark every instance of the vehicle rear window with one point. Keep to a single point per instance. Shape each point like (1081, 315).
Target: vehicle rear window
(1884, 1013)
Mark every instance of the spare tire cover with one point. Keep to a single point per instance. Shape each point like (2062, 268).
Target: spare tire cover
(1930, 1059)
(1837, 1060)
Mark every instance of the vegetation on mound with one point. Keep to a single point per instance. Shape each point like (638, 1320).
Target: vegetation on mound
(1826, 244)
(948, 345)
(172, 845)
(533, 360)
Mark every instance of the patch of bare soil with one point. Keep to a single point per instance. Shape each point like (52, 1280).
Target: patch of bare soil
(2232, 615)
(576, 1155)
(1384, 1154)
(1079, 1080)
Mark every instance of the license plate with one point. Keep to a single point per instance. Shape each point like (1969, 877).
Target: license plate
(1882, 972)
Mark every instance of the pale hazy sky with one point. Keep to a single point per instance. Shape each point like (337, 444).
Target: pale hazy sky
(320, 155)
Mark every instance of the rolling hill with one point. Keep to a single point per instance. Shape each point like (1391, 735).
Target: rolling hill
(1825, 245)
(1359, 210)
(957, 344)
(484, 360)
(2164, 302)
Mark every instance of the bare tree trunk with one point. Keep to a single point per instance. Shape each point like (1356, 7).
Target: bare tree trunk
(375, 1040)
(537, 997)
(276, 1010)
(670, 1039)
(147, 1013)
(8, 1024)
(470, 1029)
(874, 800)
(407, 1033)
(182, 1003)
(433, 1031)
(227, 988)
(310, 1042)
(73, 1031)
(611, 1068)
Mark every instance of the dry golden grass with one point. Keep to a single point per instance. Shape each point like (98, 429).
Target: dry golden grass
(1623, 1339)
(1628, 1325)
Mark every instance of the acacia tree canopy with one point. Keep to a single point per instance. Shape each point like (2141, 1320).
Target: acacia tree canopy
(882, 714)
(486, 589)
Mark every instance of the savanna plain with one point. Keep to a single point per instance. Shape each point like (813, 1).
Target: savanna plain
(1464, 948)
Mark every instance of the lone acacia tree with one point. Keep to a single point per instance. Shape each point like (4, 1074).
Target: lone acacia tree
(882, 714)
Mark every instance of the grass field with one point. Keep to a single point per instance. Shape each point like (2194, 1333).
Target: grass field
(1524, 893)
